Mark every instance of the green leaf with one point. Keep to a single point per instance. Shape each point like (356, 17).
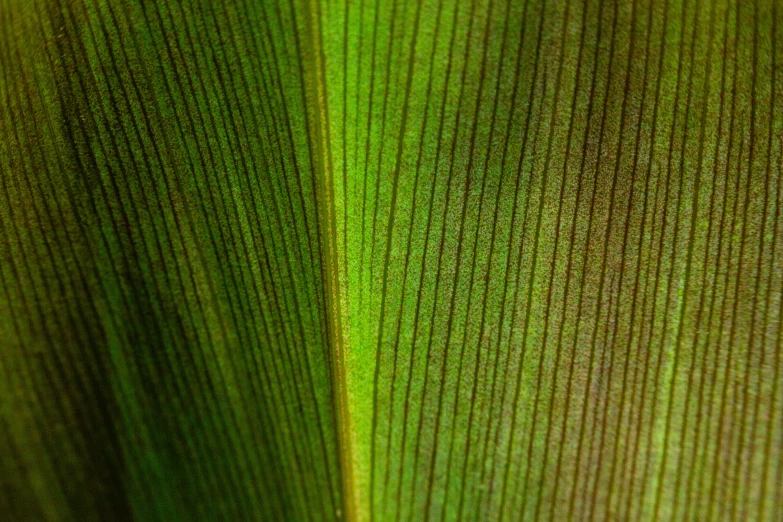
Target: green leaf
(391, 260)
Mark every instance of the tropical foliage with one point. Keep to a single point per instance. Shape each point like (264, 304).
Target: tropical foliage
(391, 260)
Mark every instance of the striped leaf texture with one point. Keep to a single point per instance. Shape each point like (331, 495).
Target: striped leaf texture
(377, 260)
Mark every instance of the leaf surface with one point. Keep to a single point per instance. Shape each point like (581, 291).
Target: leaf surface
(372, 260)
